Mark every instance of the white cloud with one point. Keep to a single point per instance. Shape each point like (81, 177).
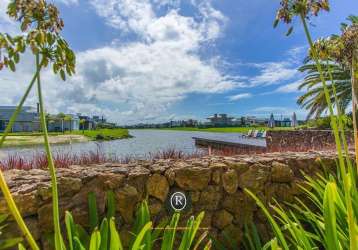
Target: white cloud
(68, 2)
(289, 88)
(279, 111)
(139, 17)
(240, 96)
(138, 81)
(273, 73)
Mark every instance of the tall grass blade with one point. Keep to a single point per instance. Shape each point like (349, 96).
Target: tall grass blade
(95, 242)
(329, 213)
(92, 211)
(111, 205)
(169, 233)
(272, 221)
(104, 230)
(115, 241)
(138, 243)
(70, 228)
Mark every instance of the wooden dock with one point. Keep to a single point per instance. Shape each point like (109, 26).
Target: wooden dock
(242, 146)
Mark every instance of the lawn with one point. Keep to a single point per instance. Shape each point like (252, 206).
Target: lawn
(36, 138)
(104, 134)
(226, 129)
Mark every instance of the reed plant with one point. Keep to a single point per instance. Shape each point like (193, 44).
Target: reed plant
(145, 234)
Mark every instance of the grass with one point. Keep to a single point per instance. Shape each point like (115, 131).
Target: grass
(226, 129)
(35, 138)
(104, 134)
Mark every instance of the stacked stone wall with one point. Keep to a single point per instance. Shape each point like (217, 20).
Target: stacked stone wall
(213, 184)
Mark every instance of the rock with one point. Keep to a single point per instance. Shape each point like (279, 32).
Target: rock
(216, 178)
(69, 186)
(230, 181)
(192, 178)
(234, 234)
(158, 187)
(222, 219)
(209, 198)
(281, 172)
(194, 196)
(240, 206)
(26, 203)
(255, 178)
(126, 200)
(112, 181)
(170, 174)
(155, 206)
(280, 191)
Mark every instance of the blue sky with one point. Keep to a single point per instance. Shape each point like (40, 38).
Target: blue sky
(157, 60)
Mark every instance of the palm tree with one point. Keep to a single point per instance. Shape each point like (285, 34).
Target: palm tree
(314, 98)
(334, 63)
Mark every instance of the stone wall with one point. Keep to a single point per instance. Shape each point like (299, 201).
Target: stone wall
(302, 140)
(280, 141)
(213, 184)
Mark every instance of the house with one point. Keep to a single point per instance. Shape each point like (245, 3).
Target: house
(64, 122)
(220, 120)
(284, 122)
(87, 123)
(27, 120)
(255, 121)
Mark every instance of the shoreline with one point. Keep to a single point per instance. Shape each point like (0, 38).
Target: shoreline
(34, 139)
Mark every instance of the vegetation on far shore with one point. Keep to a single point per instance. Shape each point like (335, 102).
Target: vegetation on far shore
(104, 134)
(226, 129)
(36, 138)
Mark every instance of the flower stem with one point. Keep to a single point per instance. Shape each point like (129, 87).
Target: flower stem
(4, 187)
(354, 111)
(51, 166)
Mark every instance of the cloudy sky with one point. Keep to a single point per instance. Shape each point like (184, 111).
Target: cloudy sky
(159, 60)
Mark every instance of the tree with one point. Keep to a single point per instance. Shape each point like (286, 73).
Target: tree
(314, 98)
(336, 66)
(82, 124)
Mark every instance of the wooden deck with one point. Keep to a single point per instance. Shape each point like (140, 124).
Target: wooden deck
(242, 146)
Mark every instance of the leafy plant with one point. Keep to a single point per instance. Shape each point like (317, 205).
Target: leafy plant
(335, 67)
(144, 235)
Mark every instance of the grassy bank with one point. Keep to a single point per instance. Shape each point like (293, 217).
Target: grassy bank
(226, 129)
(36, 138)
(104, 134)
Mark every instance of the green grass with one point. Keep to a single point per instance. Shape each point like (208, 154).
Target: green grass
(226, 129)
(104, 134)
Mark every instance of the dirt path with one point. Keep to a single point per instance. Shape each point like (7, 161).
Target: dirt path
(35, 140)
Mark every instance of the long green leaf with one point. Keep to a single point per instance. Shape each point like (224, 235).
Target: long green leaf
(92, 211)
(70, 228)
(140, 237)
(115, 241)
(273, 223)
(95, 242)
(329, 213)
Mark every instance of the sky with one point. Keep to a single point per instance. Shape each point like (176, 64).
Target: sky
(150, 61)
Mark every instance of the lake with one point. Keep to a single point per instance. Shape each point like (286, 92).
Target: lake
(143, 143)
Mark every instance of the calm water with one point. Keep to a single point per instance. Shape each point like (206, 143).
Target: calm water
(143, 143)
